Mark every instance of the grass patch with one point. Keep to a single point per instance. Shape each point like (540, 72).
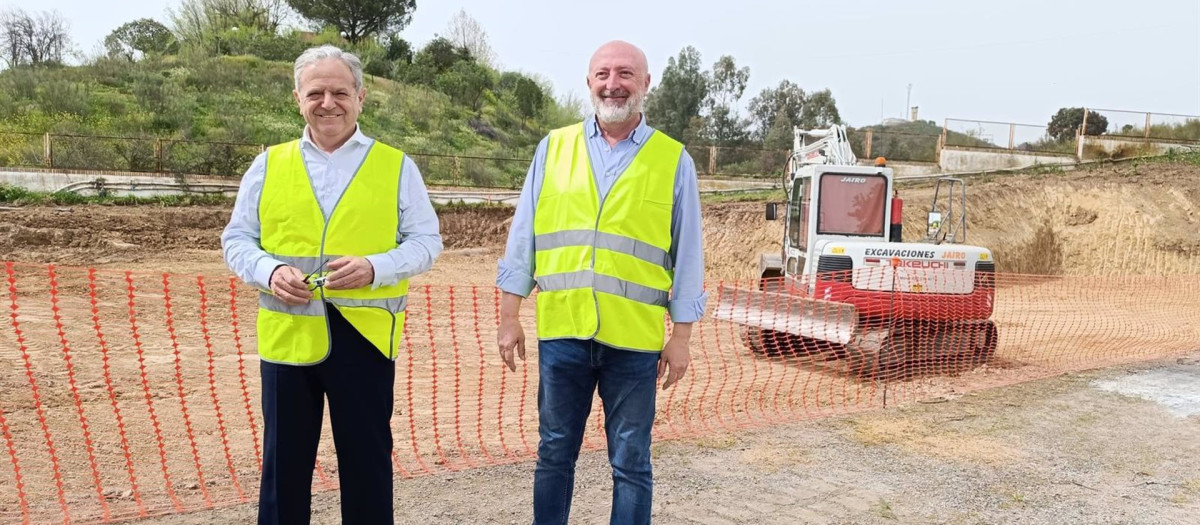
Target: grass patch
(884, 509)
(716, 442)
(16, 196)
(775, 195)
(920, 438)
(1190, 158)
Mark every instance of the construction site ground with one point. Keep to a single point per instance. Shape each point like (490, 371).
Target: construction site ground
(1061, 450)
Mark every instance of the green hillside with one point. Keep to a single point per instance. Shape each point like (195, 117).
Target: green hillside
(911, 141)
(247, 99)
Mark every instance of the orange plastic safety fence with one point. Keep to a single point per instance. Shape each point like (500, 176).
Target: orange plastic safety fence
(136, 394)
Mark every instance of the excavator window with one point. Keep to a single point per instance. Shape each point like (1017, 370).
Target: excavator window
(798, 215)
(852, 204)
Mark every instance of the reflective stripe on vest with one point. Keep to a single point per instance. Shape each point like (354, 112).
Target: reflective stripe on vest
(603, 267)
(294, 231)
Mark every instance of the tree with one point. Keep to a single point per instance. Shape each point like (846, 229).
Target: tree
(138, 38)
(196, 20)
(820, 111)
(774, 112)
(441, 54)
(465, 32)
(358, 19)
(466, 83)
(1067, 121)
(778, 107)
(679, 95)
(438, 56)
(397, 49)
(238, 26)
(525, 92)
(726, 84)
(35, 40)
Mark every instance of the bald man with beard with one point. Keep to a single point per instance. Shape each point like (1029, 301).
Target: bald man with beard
(608, 230)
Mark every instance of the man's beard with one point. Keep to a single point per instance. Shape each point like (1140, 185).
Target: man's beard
(608, 113)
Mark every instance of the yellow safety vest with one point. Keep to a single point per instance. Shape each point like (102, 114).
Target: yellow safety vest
(603, 268)
(294, 231)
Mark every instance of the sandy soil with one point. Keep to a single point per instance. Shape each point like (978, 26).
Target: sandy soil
(1053, 451)
(1022, 454)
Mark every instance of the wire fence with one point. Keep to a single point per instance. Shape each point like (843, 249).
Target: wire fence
(894, 145)
(1005, 136)
(186, 158)
(1145, 125)
(134, 393)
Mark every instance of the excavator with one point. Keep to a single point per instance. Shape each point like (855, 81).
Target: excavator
(845, 286)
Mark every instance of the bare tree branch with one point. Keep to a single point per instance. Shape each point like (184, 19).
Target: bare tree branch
(466, 32)
(33, 39)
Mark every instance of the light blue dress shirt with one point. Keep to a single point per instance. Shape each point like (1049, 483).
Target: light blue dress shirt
(418, 235)
(688, 298)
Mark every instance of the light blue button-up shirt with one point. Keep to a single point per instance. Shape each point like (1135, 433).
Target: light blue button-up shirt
(418, 235)
(688, 298)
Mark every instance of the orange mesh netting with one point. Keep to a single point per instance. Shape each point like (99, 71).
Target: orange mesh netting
(132, 394)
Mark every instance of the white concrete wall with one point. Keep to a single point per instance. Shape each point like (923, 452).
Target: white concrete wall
(1149, 146)
(136, 185)
(906, 169)
(957, 159)
(151, 186)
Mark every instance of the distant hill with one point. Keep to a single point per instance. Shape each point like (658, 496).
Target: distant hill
(907, 140)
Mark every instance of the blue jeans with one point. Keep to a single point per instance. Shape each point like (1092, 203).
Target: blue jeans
(570, 372)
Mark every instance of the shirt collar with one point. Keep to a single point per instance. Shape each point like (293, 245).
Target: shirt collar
(638, 135)
(357, 138)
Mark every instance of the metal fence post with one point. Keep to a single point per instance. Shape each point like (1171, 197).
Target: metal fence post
(1080, 138)
(47, 151)
(941, 143)
(158, 155)
(937, 149)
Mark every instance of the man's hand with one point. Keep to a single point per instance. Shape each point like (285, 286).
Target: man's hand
(675, 356)
(510, 336)
(349, 273)
(287, 283)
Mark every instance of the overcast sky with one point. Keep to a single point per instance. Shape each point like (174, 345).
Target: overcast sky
(1013, 61)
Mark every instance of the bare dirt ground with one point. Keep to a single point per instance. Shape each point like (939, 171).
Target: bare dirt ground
(1052, 451)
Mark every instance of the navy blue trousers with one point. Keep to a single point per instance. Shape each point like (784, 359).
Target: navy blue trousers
(358, 380)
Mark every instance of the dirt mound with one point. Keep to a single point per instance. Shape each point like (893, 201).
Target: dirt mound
(1124, 219)
(475, 227)
(101, 234)
(735, 235)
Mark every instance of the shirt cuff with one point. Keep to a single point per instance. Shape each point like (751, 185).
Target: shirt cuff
(385, 272)
(263, 270)
(514, 282)
(687, 310)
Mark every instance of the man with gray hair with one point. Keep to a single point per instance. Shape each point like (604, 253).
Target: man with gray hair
(329, 228)
(607, 228)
